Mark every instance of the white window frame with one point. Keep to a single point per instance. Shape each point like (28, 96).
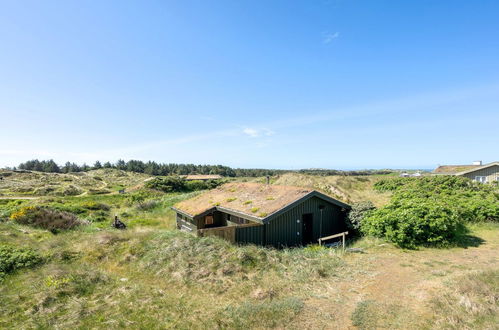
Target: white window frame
(481, 178)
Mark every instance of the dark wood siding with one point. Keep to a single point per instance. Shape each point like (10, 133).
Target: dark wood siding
(250, 235)
(286, 229)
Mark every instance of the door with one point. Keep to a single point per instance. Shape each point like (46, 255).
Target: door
(307, 228)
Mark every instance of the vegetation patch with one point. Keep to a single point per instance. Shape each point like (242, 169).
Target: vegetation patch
(357, 214)
(12, 259)
(46, 218)
(430, 210)
(248, 315)
(370, 314)
(179, 184)
(470, 302)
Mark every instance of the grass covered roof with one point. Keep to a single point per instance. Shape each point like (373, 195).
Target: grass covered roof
(255, 199)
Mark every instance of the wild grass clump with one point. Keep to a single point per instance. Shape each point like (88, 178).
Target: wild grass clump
(12, 259)
(371, 314)
(46, 218)
(471, 302)
(271, 314)
(219, 265)
(147, 205)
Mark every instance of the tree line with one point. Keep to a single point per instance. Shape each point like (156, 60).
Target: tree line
(150, 167)
(154, 168)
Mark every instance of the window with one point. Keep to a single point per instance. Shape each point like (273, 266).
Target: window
(208, 220)
(481, 179)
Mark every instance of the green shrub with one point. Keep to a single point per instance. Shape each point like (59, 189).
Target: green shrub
(439, 184)
(358, 212)
(46, 218)
(8, 206)
(12, 259)
(91, 205)
(166, 184)
(179, 184)
(412, 222)
(431, 210)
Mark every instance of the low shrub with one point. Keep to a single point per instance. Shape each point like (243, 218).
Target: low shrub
(8, 206)
(412, 222)
(70, 191)
(46, 218)
(431, 210)
(358, 212)
(147, 205)
(179, 184)
(91, 205)
(166, 184)
(12, 259)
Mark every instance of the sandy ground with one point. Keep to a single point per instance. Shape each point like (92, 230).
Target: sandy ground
(394, 279)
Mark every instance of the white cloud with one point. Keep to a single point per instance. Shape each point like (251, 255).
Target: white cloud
(328, 37)
(253, 132)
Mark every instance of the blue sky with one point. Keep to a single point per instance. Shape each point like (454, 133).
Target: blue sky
(273, 84)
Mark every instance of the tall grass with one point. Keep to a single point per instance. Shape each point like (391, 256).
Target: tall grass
(470, 302)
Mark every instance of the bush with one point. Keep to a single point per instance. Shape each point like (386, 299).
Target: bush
(178, 184)
(201, 185)
(70, 191)
(431, 210)
(12, 259)
(94, 206)
(147, 205)
(439, 184)
(412, 222)
(166, 184)
(358, 212)
(46, 218)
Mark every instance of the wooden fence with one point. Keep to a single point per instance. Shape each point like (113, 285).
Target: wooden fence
(227, 232)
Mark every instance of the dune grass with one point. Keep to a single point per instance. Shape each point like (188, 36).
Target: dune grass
(152, 276)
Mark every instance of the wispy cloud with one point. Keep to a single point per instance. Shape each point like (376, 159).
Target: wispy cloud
(253, 132)
(328, 37)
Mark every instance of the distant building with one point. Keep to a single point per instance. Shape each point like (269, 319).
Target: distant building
(485, 173)
(407, 175)
(476, 171)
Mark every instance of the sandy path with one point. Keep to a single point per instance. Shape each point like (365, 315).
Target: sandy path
(19, 197)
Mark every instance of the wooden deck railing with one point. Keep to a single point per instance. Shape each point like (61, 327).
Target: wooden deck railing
(343, 234)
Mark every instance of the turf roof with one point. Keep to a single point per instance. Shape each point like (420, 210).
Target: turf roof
(255, 199)
(451, 169)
